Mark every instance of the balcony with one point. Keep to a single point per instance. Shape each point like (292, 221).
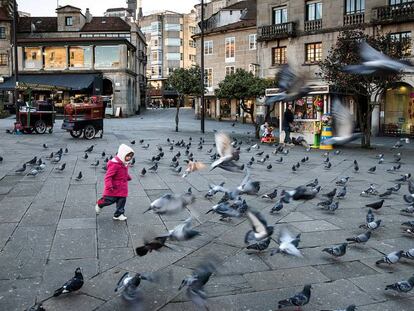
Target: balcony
(403, 12)
(314, 25)
(354, 19)
(278, 31)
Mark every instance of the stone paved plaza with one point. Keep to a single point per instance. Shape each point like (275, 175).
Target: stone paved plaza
(48, 225)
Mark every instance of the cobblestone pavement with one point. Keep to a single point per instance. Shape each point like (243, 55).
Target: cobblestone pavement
(48, 226)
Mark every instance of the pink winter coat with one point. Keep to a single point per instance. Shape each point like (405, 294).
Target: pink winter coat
(117, 177)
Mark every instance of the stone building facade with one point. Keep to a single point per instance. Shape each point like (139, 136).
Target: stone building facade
(108, 51)
(229, 44)
(6, 52)
(170, 46)
(302, 32)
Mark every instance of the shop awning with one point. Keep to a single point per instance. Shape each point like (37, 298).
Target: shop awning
(61, 82)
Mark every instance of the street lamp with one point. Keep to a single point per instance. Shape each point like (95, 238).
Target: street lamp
(16, 66)
(203, 108)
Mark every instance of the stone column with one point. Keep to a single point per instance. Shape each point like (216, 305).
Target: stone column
(233, 108)
(375, 126)
(218, 109)
(67, 57)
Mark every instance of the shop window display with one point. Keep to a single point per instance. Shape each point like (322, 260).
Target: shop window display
(306, 108)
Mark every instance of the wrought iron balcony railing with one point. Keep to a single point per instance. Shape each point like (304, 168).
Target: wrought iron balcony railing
(393, 13)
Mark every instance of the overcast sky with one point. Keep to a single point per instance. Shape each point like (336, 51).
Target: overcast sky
(98, 7)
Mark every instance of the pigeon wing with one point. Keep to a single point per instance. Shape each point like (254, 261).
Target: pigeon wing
(223, 145)
(257, 221)
(343, 119)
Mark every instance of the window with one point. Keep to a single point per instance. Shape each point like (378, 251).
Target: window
(173, 56)
(192, 58)
(313, 52)
(80, 57)
(154, 56)
(208, 77)
(230, 46)
(252, 42)
(154, 42)
(68, 21)
(253, 69)
(155, 27)
(354, 6)
(208, 47)
(170, 70)
(313, 10)
(107, 56)
(173, 42)
(229, 70)
(395, 2)
(192, 29)
(55, 57)
(172, 27)
(191, 43)
(279, 56)
(279, 15)
(181, 56)
(156, 71)
(404, 40)
(2, 32)
(32, 58)
(3, 59)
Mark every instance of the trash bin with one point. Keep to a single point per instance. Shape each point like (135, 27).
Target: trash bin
(326, 134)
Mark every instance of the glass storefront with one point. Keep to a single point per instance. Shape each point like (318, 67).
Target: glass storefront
(398, 110)
(32, 58)
(305, 107)
(107, 56)
(80, 57)
(55, 57)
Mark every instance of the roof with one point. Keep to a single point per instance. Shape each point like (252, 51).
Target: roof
(68, 7)
(118, 9)
(42, 24)
(65, 81)
(4, 14)
(234, 26)
(74, 40)
(97, 24)
(241, 5)
(111, 23)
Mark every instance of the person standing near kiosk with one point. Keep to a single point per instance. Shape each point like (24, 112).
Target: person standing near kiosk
(288, 119)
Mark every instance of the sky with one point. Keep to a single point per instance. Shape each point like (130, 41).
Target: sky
(98, 7)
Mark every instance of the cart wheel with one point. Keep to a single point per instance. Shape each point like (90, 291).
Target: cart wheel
(76, 134)
(89, 132)
(40, 127)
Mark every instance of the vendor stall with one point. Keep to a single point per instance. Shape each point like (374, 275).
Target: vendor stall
(308, 112)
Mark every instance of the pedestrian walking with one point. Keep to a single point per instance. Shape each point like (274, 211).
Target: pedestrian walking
(116, 182)
(288, 123)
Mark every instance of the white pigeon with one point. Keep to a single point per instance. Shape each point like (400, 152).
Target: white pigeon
(288, 244)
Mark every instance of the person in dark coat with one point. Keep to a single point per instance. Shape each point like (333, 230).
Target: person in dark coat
(288, 123)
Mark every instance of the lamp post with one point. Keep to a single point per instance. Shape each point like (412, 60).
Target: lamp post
(203, 108)
(16, 65)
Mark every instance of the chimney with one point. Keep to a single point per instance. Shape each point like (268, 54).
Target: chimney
(140, 15)
(88, 15)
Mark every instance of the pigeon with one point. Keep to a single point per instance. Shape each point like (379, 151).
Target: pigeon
(61, 167)
(381, 160)
(90, 149)
(341, 193)
(22, 169)
(370, 216)
(32, 161)
(325, 203)
(370, 191)
(332, 207)
(128, 285)
(376, 63)
(277, 207)
(402, 286)
(395, 188)
(372, 169)
(103, 154)
(96, 163)
(298, 300)
(38, 306)
(132, 142)
(66, 150)
(45, 146)
(330, 194)
(372, 225)
(260, 153)
(313, 184)
(288, 244)
(33, 173)
(145, 146)
(153, 168)
(85, 156)
(362, 238)
(385, 194)
(72, 285)
(227, 155)
(404, 177)
(356, 166)
(270, 195)
(141, 141)
(376, 205)
(408, 254)
(151, 245)
(336, 250)
(213, 189)
(260, 229)
(225, 210)
(408, 224)
(143, 172)
(391, 258)
(291, 86)
(394, 168)
(342, 181)
(408, 210)
(260, 245)
(294, 168)
(300, 193)
(182, 232)
(168, 203)
(56, 159)
(132, 163)
(1, 159)
(178, 169)
(193, 167)
(195, 283)
(326, 160)
(50, 156)
(79, 177)
(248, 186)
(344, 125)
(409, 231)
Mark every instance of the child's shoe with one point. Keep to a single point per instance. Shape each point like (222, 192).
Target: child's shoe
(121, 217)
(97, 209)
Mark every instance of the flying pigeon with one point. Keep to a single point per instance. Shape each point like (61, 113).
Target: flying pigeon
(72, 285)
(150, 245)
(182, 232)
(260, 229)
(288, 244)
(298, 300)
(227, 155)
(128, 285)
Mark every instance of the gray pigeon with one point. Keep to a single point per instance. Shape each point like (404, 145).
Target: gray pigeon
(299, 300)
(373, 225)
(224, 210)
(349, 308)
(270, 195)
(128, 286)
(277, 207)
(391, 258)
(402, 286)
(342, 181)
(408, 254)
(288, 244)
(248, 186)
(260, 229)
(362, 238)
(182, 232)
(341, 193)
(337, 250)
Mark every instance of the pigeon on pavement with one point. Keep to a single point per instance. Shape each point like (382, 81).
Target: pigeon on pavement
(260, 229)
(336, 250)
(182, 232)
(391, 258)
(362, 238)
(72, 285)
(128, 285)
(376, 205)
(298, 300)
(402, 286)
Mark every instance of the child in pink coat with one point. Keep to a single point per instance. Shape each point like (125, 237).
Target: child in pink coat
(116, 182)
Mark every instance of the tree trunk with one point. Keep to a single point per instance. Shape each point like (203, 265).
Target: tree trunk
(176, 115)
